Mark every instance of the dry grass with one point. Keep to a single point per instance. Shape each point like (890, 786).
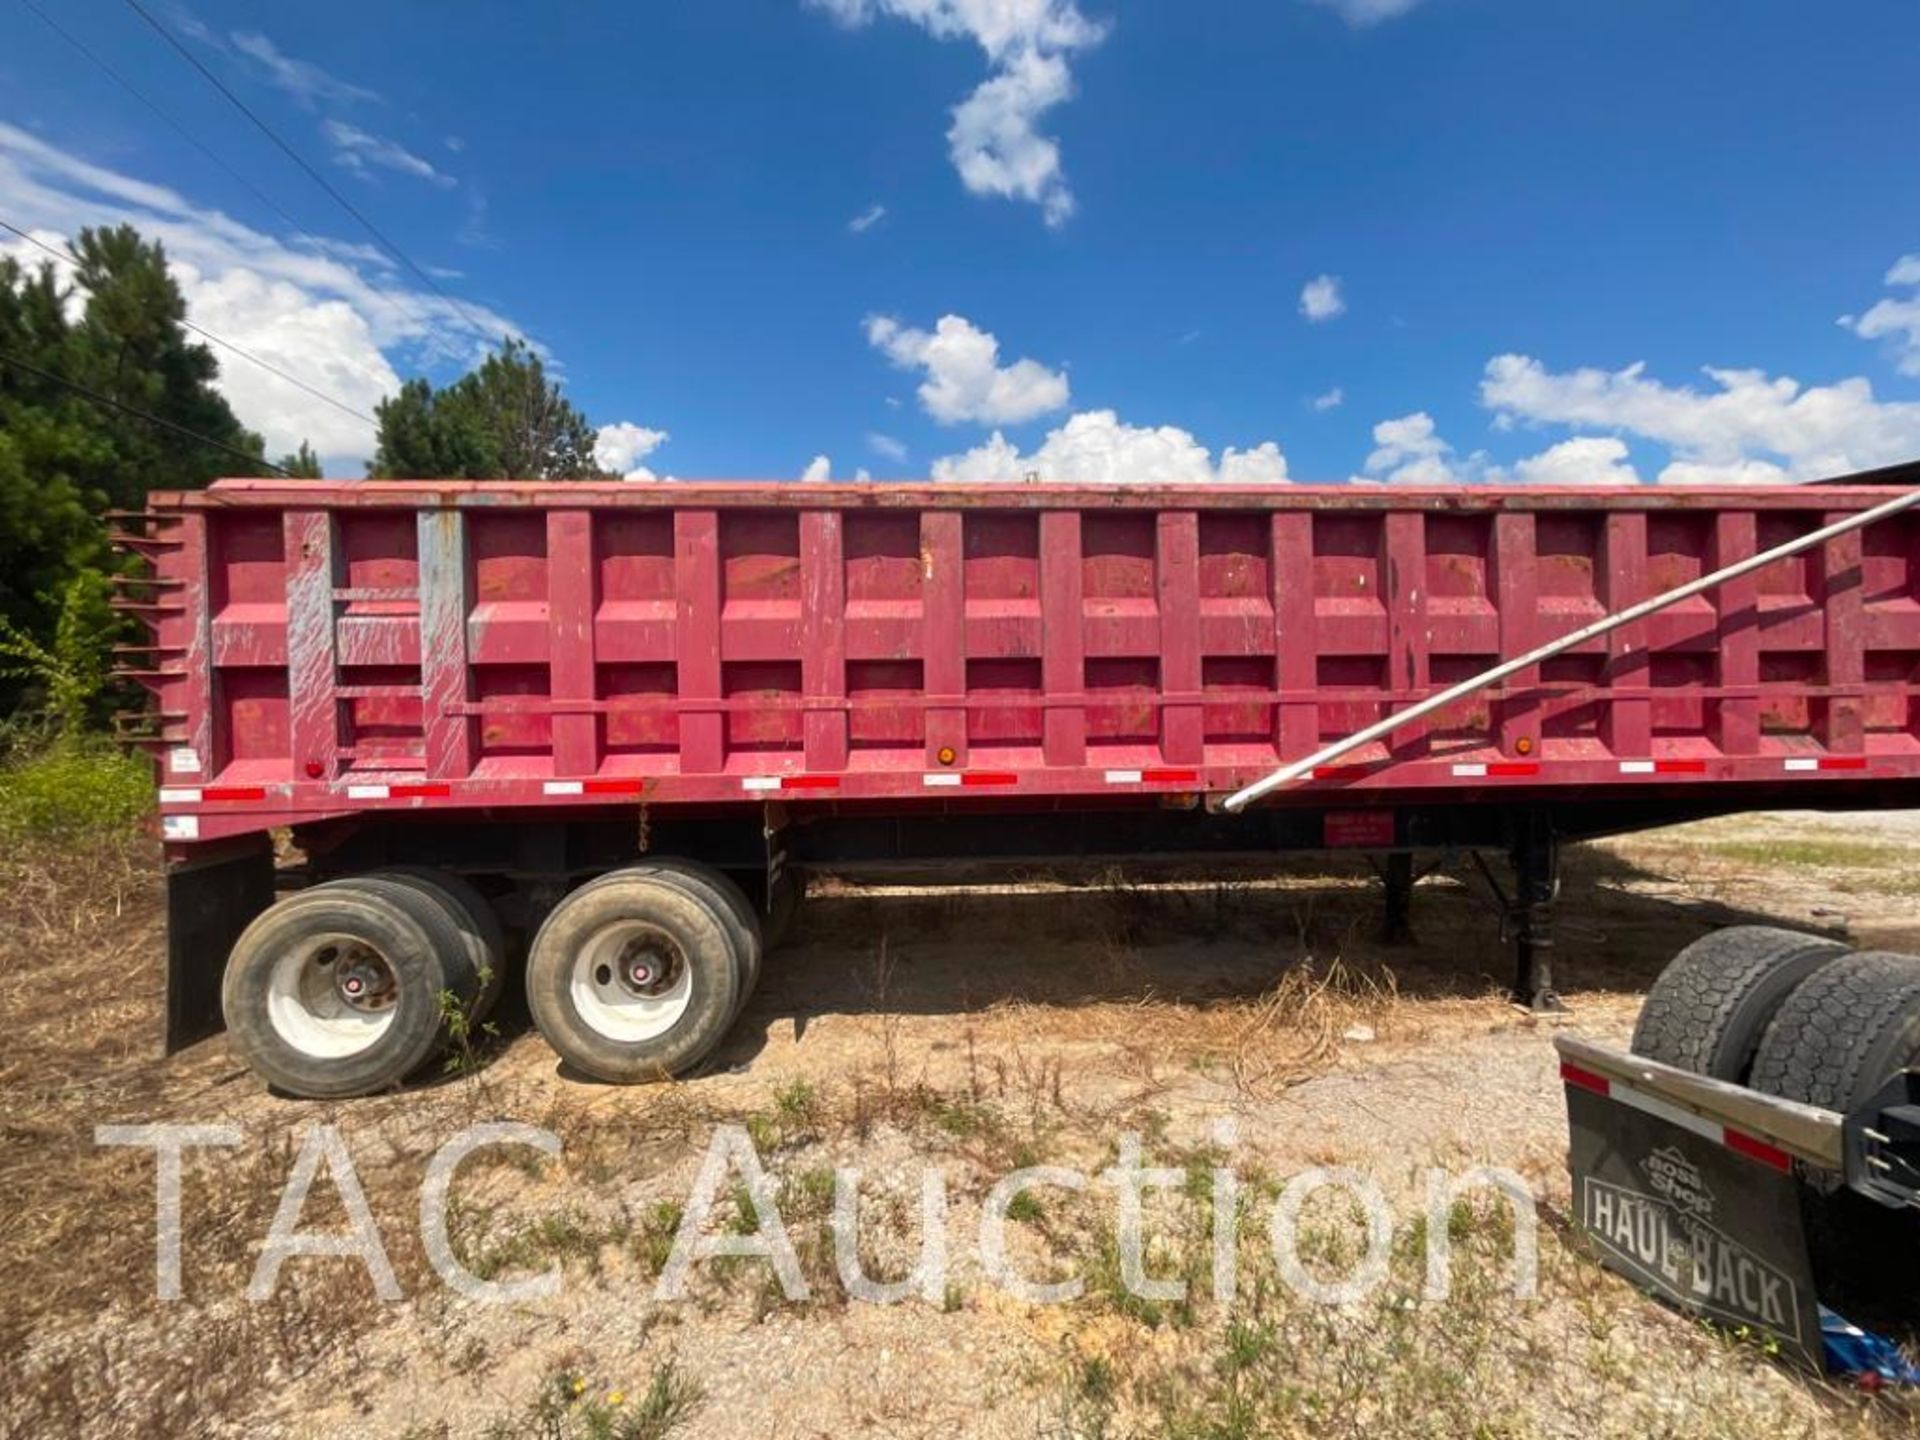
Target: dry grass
(983, 1031)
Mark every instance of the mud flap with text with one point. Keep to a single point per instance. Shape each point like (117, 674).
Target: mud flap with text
(1713, 1231)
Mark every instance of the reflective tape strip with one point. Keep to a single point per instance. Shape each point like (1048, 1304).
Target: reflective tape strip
(1798, 763)
(366, 792)
(1737, 1141)
(989, 777)
(1495, 769)
(810, 782)
(179, 797)
(941, 778)
(613, 787)
(1663, 767)
(760, 782)
(1339, 772)
(234, 792)
(1844, 762)
(421, 791)
(592, 787)
(1153, 777)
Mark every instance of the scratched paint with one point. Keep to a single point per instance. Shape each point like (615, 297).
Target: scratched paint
(507, 635)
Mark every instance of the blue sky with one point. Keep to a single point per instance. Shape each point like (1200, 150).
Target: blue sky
(1507, 204)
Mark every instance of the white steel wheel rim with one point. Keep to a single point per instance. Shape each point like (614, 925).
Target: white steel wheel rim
(630, 982)
(332, 996)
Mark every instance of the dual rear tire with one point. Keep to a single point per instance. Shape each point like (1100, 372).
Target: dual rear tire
(350, 987)
(1806, 1020)
(639, 974)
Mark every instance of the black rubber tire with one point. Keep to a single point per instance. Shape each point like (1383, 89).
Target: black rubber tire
(695, 930)
(728, 902)
(478, 921)
(1847, 1030)
(1710, 1006)
(413, 937)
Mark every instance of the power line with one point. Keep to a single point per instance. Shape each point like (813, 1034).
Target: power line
(294, 155)
(320, 246)
(243, 353)
(139, 414)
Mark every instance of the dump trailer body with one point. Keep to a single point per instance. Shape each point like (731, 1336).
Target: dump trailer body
(534, 684)
(344, 649)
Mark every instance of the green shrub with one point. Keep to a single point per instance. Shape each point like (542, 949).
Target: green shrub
(73, 791)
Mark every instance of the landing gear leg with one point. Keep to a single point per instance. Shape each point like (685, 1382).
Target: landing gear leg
(1536, 871)
(1396, 927)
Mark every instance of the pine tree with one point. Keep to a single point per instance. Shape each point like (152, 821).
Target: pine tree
(505, 420)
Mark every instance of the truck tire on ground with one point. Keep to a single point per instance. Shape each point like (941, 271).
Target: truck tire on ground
(1839, 1037)
(1710, 1006)
(478, 922)
(336, 991)
(728, 902)
(633, 977)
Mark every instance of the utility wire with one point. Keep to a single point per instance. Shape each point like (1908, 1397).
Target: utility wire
(294, 155)
(394, 301)
(70, 258)
(139, 414)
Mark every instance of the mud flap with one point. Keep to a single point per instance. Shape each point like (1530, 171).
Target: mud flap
(210, 900)
(1705, 1227)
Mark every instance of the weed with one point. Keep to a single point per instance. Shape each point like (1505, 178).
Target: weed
(569, 1407)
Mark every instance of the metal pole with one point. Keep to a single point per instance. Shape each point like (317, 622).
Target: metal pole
(1288, 773)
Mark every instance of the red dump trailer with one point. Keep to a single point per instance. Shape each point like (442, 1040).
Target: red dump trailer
(622, 720)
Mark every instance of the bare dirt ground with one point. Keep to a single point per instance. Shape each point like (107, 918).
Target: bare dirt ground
(980, 1032)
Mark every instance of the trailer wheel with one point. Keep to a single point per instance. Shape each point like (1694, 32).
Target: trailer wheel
(1710, 1006)
(633, 977)
(724, 897)
(1846, 1031)
(336, 991)
(479, 925)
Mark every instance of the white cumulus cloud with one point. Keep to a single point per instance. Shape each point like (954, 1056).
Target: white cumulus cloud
(1583, 460)
(1320, 298)
(1409, 451)
(965, 379)
(623, 445)
(1749, 427)
(1330, 400)
(818, 468)
(334, 314)
(1896, 319)
(994, 140)
(1096, 447)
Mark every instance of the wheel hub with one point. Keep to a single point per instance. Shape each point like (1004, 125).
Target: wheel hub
(643, 968)
(361, 978)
